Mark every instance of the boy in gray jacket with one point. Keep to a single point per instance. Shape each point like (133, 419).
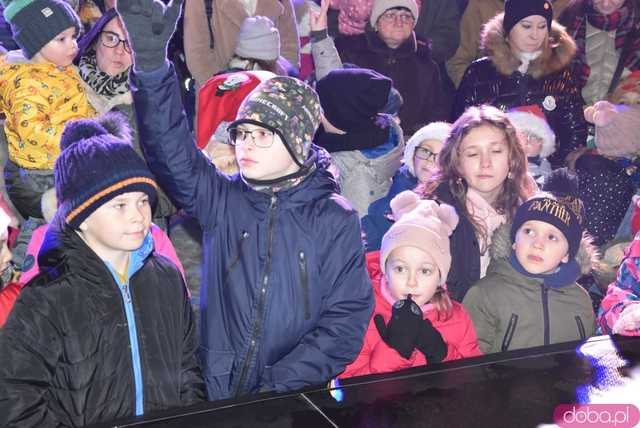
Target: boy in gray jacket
(529, 296)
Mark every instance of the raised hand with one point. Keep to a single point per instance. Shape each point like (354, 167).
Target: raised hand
(149, 25)
(318, 20)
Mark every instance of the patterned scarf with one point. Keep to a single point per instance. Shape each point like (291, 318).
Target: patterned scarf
(99, 81)
(622, 21)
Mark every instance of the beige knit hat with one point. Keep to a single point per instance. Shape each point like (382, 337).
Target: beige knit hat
(422, 224)
(381, 6)
(258, 38)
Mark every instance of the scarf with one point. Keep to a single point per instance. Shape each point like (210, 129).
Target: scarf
(489, 219)
(99, 81)
(525, 60)
(566, 275)
(287, 182)
(622, 21)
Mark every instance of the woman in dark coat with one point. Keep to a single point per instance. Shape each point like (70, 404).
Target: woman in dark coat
(390, 47)
(526, 64)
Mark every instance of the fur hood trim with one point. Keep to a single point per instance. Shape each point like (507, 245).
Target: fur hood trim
(587, 257)
(556, 55)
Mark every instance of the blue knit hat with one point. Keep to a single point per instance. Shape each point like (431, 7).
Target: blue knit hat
(35, 23)
(97, 164)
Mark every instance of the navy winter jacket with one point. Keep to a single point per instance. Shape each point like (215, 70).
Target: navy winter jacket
(286, 298)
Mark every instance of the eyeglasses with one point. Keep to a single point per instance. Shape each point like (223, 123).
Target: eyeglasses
(261, 137)
(391, 17)
(425, 154)
(110, 39)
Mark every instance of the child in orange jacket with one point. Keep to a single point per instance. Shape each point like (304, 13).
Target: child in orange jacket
(414, 322)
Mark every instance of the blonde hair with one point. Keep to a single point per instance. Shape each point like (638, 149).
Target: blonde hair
(516, 187)
(442, 303)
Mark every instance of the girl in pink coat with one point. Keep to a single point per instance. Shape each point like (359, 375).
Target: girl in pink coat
(414, 322)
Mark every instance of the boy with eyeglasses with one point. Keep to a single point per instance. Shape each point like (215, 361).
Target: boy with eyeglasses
(285, 298)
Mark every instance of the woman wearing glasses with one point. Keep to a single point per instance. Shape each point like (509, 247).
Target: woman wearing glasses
(104, 58)
(420, 155)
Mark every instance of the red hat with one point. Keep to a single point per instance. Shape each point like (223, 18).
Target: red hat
(531, 119)
(219, 100)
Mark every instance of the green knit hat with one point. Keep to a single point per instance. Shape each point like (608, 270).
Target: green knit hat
(288, 107)
(35, 23)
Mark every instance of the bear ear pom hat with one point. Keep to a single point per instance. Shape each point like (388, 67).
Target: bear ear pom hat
(422, 224)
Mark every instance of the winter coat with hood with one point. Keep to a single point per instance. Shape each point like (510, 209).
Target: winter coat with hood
(81, 347)
(476, 14)
(37, 100)
(625, 291)
(286, 298)
(413, 72)
(547, 83)
(513, 311)
(365, 176)
(209, 43)
(377, 357)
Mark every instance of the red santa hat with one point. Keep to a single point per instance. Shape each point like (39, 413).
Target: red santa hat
(531, 119)
(219, 100)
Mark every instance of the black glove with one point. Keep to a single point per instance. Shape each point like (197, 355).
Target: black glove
(430, 343)
(404, 326)
(149, 25)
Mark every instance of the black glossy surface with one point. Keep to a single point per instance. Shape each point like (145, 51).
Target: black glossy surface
(514, 389)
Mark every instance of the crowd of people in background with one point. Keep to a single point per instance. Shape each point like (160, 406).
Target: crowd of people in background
(214, 199)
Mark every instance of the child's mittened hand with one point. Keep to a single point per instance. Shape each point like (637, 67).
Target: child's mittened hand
(629, 320)
(149, 25)
(403, 328)
(431, 343)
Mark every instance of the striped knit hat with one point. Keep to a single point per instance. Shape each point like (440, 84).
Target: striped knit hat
(97, 163)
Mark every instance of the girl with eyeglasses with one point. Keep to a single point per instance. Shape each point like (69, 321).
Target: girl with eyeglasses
(419, 164)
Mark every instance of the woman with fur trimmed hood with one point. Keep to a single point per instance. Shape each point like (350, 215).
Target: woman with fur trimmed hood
(526, 64)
